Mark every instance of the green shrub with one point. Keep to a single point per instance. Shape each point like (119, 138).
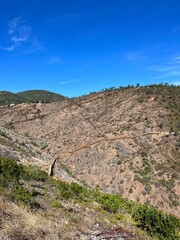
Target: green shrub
(143, 154)
(65, 192)
(4, 183)
(34, 173)
(56, 204)
(145, 179)
(156, 223)
(73, 191)
(147, 169)
(148, 187)
(21, 194)
(160, 174)
(76, 189)
(109, 202)
(137, 177)
(119, 162)
(10, 170)
(175, 203)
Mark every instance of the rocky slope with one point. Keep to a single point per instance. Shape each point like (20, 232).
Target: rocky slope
(123, 140)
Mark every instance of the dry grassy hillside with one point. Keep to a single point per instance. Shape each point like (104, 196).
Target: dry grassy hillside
(123, 140)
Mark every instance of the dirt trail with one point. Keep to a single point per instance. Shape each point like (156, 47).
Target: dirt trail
(114, 139)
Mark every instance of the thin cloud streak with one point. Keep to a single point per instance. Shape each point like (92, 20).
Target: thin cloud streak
(55, 60)
(169, 74)
(135, 56)
(171, 69)
(68, 82)
(163, 68)
(9, 49)
(176, 29)
(176, 59)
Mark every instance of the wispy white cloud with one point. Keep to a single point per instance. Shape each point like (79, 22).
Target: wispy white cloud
(12, 25)
(35, 46)
(135, 56)
(71, 81)
(176, 29)
(163, 69)
(169, 74)
(55, 60)
(19, 34)
(174, 73)
(176, 59)
(170, 69)
(9, 49)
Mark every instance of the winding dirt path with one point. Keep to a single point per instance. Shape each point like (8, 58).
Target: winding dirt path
(114, 139)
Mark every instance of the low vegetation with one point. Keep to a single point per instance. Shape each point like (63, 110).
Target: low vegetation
(18, 183)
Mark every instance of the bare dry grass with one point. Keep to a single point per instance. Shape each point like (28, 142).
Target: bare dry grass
(18, 223)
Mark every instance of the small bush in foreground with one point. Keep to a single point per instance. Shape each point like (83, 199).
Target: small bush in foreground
(34, 173)
(157, 224)
(21, 194)
(109, 203)
(10, 170)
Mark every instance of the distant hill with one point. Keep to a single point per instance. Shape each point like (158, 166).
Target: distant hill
(7, 98)
(40, 95)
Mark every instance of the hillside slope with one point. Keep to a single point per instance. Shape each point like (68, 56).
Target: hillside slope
(121, 141)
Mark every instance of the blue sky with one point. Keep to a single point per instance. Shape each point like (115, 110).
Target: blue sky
(75, 47)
